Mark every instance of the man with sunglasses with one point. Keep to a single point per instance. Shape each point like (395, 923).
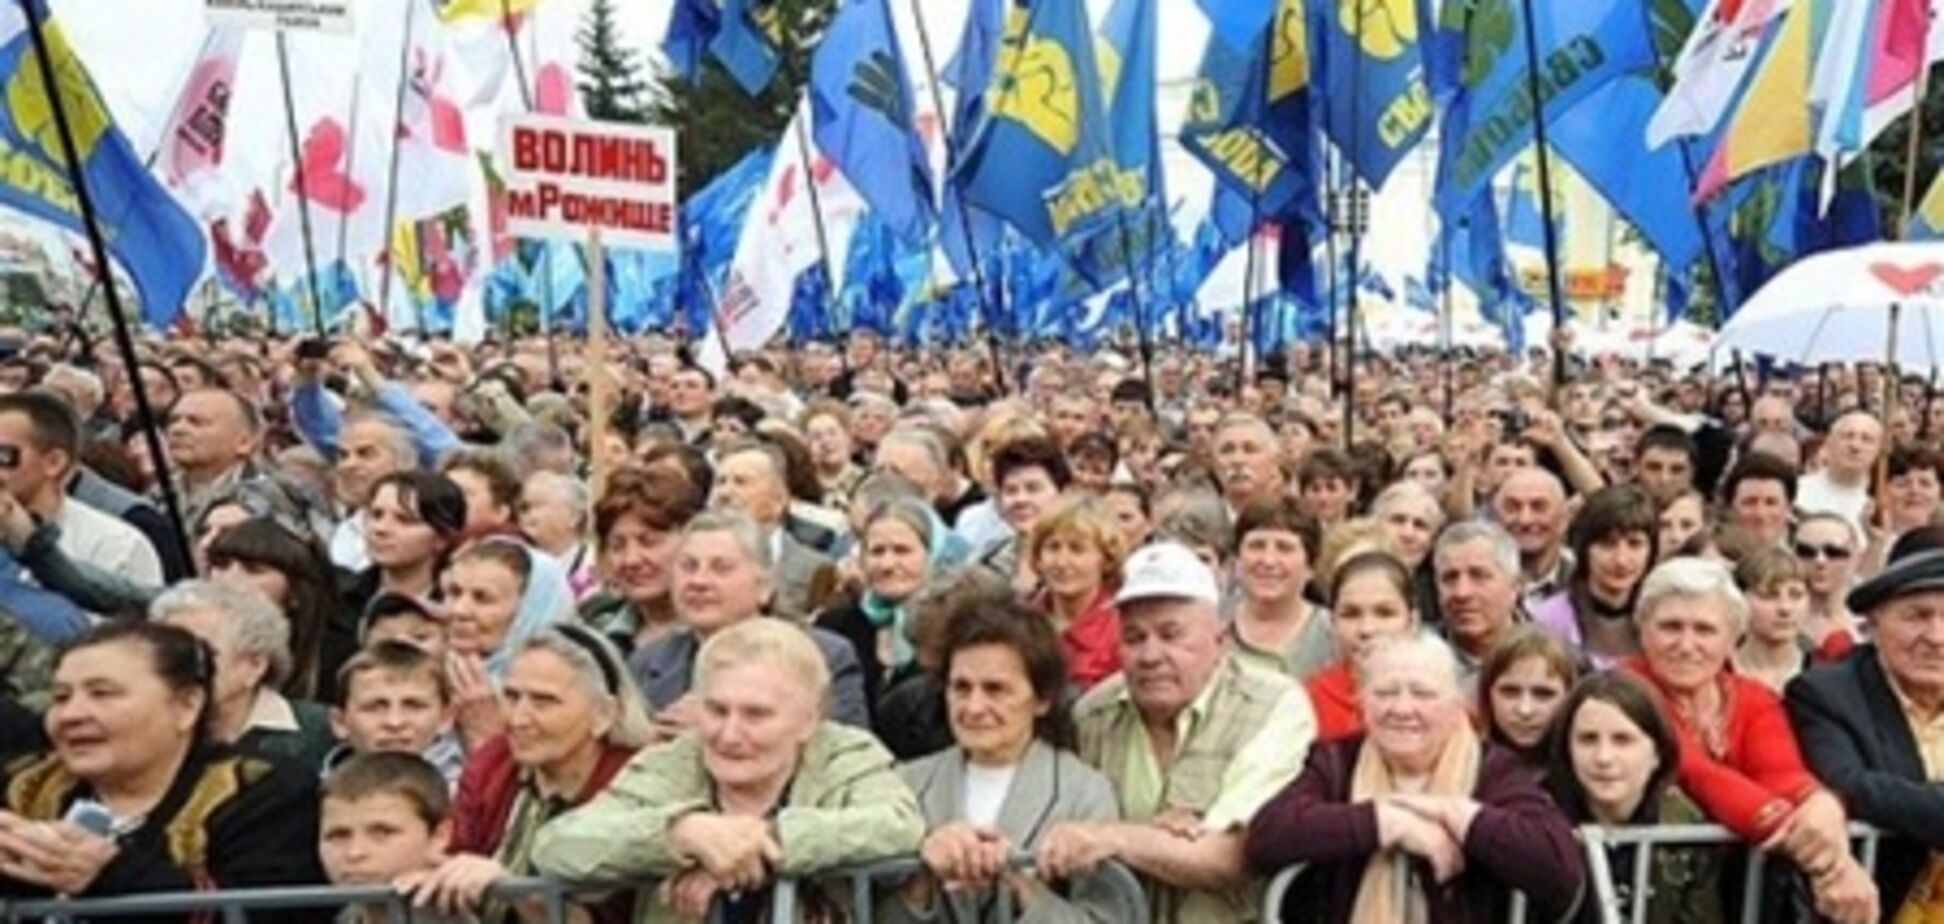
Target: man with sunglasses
(40, 443)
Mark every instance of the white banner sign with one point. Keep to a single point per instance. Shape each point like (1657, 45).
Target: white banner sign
(293, 15)
(566, 178)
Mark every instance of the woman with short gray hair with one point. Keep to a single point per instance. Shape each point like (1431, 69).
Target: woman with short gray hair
(1739, 757)
(251, 639)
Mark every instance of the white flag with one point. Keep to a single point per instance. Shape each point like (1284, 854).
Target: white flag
(1714, 62)
(779, 239)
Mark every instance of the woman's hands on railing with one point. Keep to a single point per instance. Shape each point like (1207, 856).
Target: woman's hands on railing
(59, 854)
(964, 856)
(1401, 828)
(1816, 837)
(739, 852)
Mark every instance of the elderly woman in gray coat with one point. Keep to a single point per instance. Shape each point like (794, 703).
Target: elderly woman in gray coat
(1009, 778)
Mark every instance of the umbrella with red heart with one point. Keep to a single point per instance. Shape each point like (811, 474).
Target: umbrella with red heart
(1848, 306)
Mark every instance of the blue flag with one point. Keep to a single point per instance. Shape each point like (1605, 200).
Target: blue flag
(1470, 251)
(1605, 139)
(1580, 47)
(337, 289)
(1522, 222)
(1372, 71)
(965, 231)
(1043, 157)
(155, 240)
(692, 25)
(745, 42)
(1236, 22)
(1249, 119)
(863, 117)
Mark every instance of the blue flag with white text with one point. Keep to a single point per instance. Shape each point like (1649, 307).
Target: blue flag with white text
(1371, 67)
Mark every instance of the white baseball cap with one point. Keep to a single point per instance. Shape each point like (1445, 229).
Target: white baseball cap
(1167, 570)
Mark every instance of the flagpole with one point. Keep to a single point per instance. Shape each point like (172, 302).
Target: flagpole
(124, 341)
(1556, 288)
(1356, 220)
(951, 141)
(303, 188)
(391, 178)
(807, 161)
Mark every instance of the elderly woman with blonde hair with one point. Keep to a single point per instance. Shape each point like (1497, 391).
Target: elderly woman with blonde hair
(763, 786)
(1076, 548)
(1419, 818)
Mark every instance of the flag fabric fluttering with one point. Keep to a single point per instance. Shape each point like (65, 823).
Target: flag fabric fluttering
(1580, 46)
(189, 154)
(1043, 157)
(865, 117)
(1770, 123)
(1371, 71)
(964, 230)
(1522, 221)
(692, 25)
(147, 231)
(1724, 45)
(746, 42)
(1927, 221)
(1469, 250)
(486, 10)
(779, 240)
(1249, 122)
(1604, 140)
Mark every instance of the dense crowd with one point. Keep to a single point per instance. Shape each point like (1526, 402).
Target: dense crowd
(433, 616)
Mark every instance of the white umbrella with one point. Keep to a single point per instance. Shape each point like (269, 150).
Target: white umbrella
(1838, 306)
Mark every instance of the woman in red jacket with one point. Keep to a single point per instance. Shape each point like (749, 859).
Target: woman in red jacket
(1370, 599)
(1739, 758)
(573, 719)
(1076, 549)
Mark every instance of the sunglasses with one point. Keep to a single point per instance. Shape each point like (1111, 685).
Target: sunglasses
(9, 457)
(1806, 551)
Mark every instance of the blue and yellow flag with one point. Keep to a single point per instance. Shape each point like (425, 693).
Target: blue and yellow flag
(1043, 157)
(1927, 224)
(746, 41)
(1371, 70)
(1249, 117)
(155, 240)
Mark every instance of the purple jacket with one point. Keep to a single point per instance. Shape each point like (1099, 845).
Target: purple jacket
(1519, 841)
(1559, 619)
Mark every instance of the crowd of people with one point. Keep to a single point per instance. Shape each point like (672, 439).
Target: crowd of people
(430, 616)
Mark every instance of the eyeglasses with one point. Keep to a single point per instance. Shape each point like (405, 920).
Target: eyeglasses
(1808, 550)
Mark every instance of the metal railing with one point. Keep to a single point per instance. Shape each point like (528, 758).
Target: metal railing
(1130, 898)
(235, 905)
(1648, 838)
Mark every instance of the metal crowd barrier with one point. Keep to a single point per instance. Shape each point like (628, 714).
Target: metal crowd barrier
(1596, 839)
(1130, 897)
(235, 905)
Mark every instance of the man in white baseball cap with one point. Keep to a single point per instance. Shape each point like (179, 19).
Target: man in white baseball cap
(1193, 741)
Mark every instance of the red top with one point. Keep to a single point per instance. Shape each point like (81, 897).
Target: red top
(1753, 775)
(1092, 641)
(1333, 694)
(1834, 646)
(491, 781)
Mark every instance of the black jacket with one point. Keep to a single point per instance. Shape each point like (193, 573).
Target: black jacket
(229, 821)
(1855, 739)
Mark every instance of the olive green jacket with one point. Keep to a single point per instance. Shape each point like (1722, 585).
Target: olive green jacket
(845, 807)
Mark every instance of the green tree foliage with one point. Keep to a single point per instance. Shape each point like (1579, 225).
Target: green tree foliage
(611, 84)
(715, 122)
(1889, 157)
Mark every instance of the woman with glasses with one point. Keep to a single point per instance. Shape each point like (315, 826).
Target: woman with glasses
(1828, 547)
(135, 794)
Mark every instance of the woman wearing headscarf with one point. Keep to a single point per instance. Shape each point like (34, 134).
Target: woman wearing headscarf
(497, 593)
(902, 547)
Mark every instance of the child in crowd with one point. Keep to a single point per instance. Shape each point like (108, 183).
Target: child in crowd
(394, 699)
(1774, 649)
(384, 817)
(405, 618)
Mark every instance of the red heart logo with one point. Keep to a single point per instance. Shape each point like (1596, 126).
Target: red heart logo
(1907, 280)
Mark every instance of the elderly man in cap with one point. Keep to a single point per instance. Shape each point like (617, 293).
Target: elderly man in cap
(1872, 729)
(1193, 741)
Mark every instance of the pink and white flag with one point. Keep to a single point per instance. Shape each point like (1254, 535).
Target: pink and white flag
(190, 150)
